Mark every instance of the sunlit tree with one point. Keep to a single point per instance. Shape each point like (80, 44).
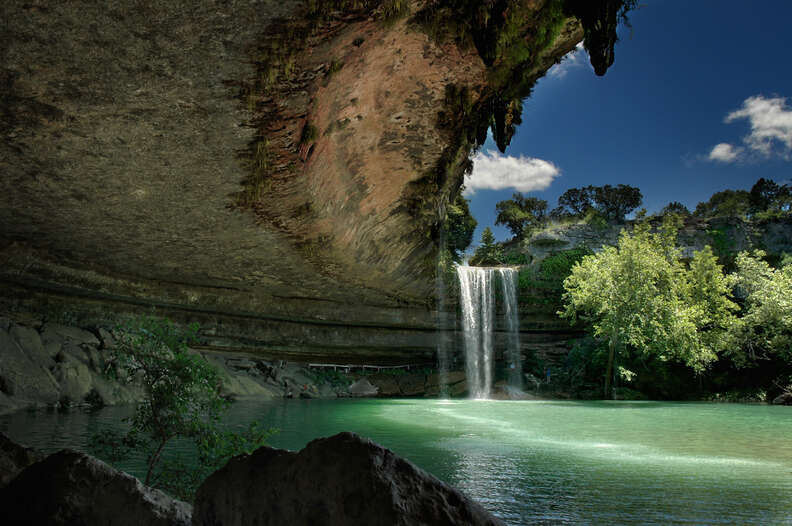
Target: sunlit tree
(765, 330)
(641, 297)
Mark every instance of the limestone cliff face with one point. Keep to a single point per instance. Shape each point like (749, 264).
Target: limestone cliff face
(143, 164)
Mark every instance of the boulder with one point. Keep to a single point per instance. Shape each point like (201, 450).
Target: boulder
(342, 480)
(73, 376)
(13, 459)
(71, 488)
(386, 384)
(108, 340)
(362, 388)
(55, 332)
(22, 376)
(29, 340)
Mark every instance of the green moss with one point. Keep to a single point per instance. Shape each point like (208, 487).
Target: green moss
(335, 67)
(309, 134)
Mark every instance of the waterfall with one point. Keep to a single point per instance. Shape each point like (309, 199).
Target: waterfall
(477, 298)
(513, 355)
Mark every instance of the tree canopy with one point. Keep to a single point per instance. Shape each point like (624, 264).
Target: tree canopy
(613, 202)
(488, 252)
(764, 332)
(520, 213)
(765, 199)
(460, 226)
(644, 301)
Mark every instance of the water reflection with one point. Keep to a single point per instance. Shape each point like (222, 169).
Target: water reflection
(538, 462)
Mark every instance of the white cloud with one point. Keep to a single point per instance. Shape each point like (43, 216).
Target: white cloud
(724, 153)
(493, 171)
(573, 59)
(771, 125)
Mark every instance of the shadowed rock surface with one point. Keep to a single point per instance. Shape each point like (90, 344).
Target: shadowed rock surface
(342, 480)
(129, 131)
(14, 458)
(74, 489)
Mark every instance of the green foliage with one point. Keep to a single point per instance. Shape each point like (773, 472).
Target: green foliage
(615, 202)
(765, 330)
(770, 199)
(544, 283)
(640, 297)
(728, 203)
(335, 378)
(548, 242)
(612, 202)
(675, 207)
(459, 226)
(509, 36)
(520, 214)
(181, 400)
(515, 257)
(309, 134)
(576, 201)
(723, 243)
(489, 252)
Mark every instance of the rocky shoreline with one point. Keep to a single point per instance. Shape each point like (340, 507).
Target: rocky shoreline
(48, 365)
(340, 480)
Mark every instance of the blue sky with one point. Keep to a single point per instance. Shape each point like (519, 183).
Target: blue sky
(689, 76)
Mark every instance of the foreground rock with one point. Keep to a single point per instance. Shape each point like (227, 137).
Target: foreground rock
(13, 459)
(71, 488)
(341, 480)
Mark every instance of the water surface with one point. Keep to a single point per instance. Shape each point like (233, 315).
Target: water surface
(540, 462)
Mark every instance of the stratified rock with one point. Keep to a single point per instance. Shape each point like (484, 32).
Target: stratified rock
(362, 388)
(342, 480)
(71, 488)
(412, 384)
(386, 384)
(13, 459)
(783, 399)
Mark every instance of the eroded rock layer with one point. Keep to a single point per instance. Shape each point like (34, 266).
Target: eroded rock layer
(147, 162)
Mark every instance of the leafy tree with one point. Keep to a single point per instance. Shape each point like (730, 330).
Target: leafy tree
(615, 202)
(640, 297)
(727, 203)
(460, 226)
(765, 330)
(675, 207)
(520, 213)
(489, 252)
(768, 196)
(578, 201)
(181, 400)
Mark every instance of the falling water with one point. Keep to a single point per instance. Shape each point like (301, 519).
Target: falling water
(477, 296)
(513, 355)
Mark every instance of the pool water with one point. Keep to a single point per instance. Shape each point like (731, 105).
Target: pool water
(537, 462)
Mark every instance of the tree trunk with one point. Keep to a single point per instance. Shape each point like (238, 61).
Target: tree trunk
(153, 462)
(609, 369)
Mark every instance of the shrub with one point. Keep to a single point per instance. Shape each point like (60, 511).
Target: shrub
(181, 400)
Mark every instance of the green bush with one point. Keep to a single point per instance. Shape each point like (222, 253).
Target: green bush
(181, 401)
